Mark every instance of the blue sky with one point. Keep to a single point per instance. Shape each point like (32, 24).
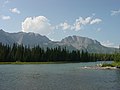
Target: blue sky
(96, 19)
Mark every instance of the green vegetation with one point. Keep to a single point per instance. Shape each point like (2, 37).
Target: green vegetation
(116, 64)
(116, 60)
(117, 57)
(107, 65)
(19, 54)
(32, 63)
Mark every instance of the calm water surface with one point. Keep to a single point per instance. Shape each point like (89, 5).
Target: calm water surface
(57, 77)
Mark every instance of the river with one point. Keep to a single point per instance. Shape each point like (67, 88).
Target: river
(68, 76)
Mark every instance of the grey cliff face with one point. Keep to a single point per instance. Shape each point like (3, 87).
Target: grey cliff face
(70, 42)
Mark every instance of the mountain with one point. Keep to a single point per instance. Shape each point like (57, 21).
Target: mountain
(31, 39)
(84, 43)
(70, 42)
(5, 38)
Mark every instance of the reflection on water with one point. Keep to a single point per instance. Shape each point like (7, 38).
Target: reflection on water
(57, 77)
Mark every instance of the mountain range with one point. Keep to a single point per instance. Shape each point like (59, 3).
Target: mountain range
(70, 42)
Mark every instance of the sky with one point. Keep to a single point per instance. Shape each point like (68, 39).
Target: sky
(57, 19)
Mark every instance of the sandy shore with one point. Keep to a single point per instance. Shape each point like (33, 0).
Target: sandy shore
(97, 67)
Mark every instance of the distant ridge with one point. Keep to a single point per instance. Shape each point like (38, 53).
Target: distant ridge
(70, 42)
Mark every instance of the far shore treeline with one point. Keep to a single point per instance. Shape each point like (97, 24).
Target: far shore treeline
(37, 54)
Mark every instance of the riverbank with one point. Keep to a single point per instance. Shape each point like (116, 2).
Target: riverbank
(99, 68)
(104, 66)
(29, 63)
(116, 64)
(21, 63)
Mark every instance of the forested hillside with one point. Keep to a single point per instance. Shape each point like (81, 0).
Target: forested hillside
(37, 54)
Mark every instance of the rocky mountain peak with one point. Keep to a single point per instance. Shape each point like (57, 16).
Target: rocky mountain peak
(79, 40)
(70, 42)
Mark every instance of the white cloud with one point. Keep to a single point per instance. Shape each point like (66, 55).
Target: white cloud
(83, 21)
(76, 26)
(115, 12)
(95, 21)
(109, 44)
(79, 23)
(15, 10)
(64, 26)
(39, 24)
(5, 17)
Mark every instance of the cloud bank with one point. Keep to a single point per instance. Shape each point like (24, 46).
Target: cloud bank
(63, 26)
(79, 23)
(39, 24)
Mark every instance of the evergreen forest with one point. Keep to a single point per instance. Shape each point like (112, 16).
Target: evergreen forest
(23, 53)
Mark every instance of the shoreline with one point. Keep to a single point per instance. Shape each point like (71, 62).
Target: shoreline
(27, 63)
(106, 66)
(99, 68)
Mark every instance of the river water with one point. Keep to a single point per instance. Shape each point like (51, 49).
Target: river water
(57, 77)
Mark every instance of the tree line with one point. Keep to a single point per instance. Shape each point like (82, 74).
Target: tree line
(38, 54)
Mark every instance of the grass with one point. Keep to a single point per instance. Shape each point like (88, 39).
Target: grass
(114, 64)
(21, 63)
(107, 65)
(27, 63)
